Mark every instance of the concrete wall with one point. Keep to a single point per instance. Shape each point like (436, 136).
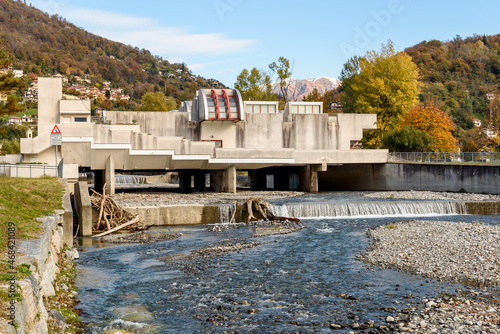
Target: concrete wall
(260, 131)
(11, 158)
(219, 130)
(42, 255)
(49, 94)
(158, 123)
(454, 178)
(189, 214)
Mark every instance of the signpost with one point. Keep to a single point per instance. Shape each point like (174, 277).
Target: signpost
(56, 138)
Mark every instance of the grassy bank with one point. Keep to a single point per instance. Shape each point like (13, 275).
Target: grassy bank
(24, 200)
(21, 202)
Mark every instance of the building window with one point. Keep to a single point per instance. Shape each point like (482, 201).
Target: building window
(211, 108)
(80, 119)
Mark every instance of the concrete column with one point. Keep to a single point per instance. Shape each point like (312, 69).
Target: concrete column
(67, 218)
(199, 180)
(109, 176)
(82, 199)
(230, 179)
(314, 185)
(308, 179)
(185, 181)
(217, 181)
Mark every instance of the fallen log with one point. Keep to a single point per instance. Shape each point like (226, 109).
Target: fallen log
(261, 207)
(133, 221)
(101, 210)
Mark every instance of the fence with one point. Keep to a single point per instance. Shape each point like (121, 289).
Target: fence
(457, 158)
(31, 170)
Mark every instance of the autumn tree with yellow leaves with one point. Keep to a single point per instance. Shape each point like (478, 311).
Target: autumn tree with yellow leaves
(383, 83)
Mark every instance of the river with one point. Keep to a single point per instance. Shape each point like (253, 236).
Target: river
(300, 282)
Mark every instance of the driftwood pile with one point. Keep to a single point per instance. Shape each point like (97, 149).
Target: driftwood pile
(113, 217)
(262, 210)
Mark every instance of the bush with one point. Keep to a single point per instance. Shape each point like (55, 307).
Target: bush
(408, 139)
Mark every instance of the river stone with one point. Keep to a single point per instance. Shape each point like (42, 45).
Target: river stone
(58, 317)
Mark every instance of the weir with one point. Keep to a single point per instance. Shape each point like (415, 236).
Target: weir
(368, 209)
(129, 179)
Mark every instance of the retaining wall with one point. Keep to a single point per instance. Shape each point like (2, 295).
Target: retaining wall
(177, 214)
(381, 177)
(42, 255)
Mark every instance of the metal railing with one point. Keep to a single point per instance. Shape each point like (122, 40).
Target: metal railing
(451, 158)
(31, 170)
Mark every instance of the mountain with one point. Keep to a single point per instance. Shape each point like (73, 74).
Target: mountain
(459, 74)
(300, 88)
(48, 45)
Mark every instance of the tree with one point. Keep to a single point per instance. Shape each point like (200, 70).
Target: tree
(254, 85)
(385, 84)
(156, 102)
(10, 84)
(313, 96)
(284, 72)
(408, 139)
(10, 147)
(431, 119)
(348, 75)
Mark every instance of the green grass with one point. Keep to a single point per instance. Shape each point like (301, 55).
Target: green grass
(21, 202)
(390, 226)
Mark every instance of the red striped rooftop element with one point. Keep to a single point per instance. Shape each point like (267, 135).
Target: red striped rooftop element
(226, 98)
(216, 101)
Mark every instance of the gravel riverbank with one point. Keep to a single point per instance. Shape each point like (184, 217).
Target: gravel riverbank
(462, 252)
(171, 198)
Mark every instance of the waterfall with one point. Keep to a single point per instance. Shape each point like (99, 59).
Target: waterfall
(368, 209)
(225, 213)
(129, 179)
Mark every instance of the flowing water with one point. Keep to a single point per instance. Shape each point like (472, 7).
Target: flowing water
(299, 282)
(128, 180)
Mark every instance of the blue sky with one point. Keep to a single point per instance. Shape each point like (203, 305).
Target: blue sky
(219, 38)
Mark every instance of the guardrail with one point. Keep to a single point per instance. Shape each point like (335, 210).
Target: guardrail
(451, 158)
(31, 170)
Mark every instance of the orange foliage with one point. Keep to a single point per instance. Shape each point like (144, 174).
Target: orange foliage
(436, 123)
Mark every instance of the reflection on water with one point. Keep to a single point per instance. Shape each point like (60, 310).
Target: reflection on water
(300, 282)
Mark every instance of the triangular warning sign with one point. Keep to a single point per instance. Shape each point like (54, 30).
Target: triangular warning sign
(55, 131)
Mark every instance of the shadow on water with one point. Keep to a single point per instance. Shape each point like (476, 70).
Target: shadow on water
(299, 282)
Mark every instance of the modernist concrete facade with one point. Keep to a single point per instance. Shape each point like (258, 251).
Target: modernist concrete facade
(217, 132)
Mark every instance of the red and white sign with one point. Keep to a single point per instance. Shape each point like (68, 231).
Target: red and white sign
(55, 130)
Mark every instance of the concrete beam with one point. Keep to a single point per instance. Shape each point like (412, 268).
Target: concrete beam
(109, 176)
(230, 179)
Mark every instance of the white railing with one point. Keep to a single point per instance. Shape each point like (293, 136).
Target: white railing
(458, 158)
(31, 170)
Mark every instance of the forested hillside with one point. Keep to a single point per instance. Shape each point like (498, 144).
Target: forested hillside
(47, 45)
(458, 74)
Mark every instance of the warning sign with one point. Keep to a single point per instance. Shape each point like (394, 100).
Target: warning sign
(56, 136)
(55, 130)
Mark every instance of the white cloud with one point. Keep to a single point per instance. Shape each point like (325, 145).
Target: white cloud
(147, 33)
